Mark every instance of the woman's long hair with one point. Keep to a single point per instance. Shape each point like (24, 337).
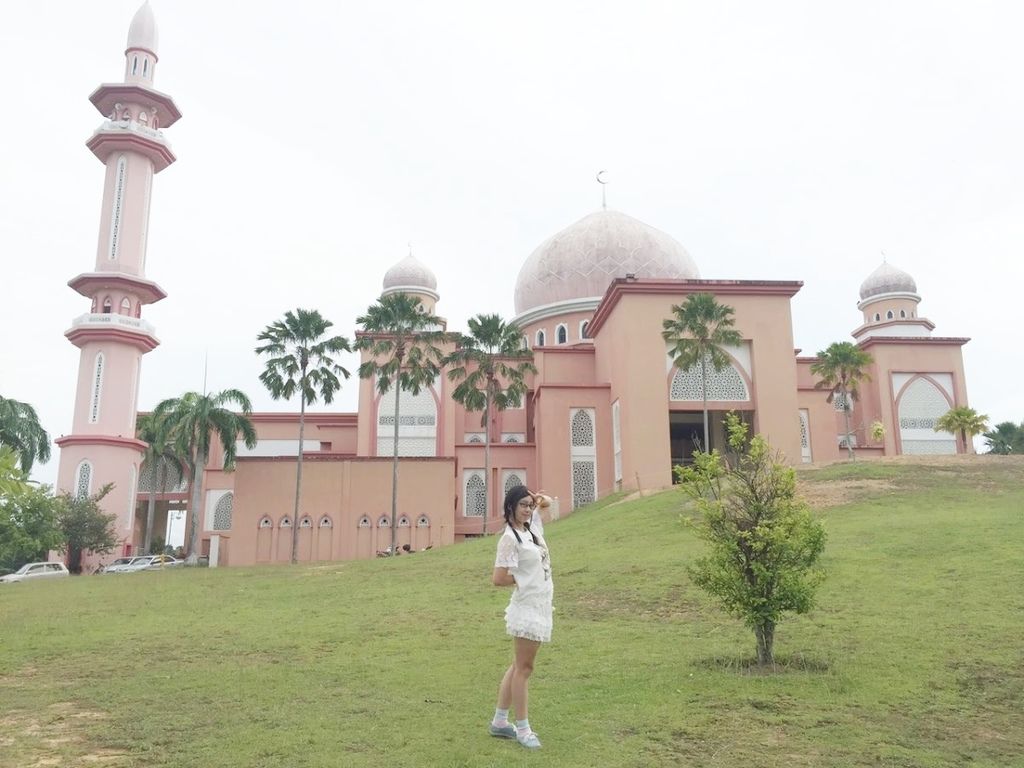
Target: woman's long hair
(516, 494)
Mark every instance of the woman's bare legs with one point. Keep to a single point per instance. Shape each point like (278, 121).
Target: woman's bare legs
(513, 693)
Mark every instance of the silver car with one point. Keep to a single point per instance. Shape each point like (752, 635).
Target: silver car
(126, 564)
(33, 571)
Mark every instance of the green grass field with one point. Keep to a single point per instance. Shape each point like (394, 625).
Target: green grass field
(913, 657)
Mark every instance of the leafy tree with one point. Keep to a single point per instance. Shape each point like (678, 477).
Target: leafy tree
(490, 365)
(84, 526)
(301, 359)
(963, 421)
(13, 480)
(764, 542)
(842, 366)
(28, 526)
(698, 333)
(20, 430)
(193, 420)
(1005, 439)
(400, 339)
(162, 461)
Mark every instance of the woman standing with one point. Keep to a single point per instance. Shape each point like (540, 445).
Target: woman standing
(522, 562)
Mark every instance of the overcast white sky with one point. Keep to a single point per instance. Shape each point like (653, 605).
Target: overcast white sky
(783, 140)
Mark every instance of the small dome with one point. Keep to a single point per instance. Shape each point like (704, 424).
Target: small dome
(582, 260)
(887, 279)
(410, 272)
(142, 32)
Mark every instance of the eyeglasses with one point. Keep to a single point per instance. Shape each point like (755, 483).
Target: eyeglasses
(527, 504)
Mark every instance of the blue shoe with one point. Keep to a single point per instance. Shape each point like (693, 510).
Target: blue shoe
(530, 740)
(502, 731)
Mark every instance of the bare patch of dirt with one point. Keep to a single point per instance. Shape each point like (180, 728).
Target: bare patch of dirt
(837, 492)
(53, 737)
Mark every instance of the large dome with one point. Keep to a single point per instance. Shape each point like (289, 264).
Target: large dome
(887, 279)
(410, 272)
(582, 260)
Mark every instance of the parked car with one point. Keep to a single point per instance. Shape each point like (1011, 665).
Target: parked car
(125, 564)
(32, 571)
(163, 561)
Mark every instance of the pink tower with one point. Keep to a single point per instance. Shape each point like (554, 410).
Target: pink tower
(112, 336)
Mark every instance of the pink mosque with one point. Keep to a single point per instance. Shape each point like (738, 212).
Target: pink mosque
(606, 411)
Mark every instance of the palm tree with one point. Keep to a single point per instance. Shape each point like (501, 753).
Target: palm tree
(192, 421)
(492, 354)
(1005, 439)
(301, 359)
(400, 338)
(841, 368)
(13, 481)
(161, 457)
(21, 432)
(964, 420)
(698, 333)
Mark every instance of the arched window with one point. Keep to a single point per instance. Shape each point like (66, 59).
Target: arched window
(582, 428)
(305, 522)
(423, 521)
(222, 512)
(540, 338)
(84, 482)
(325, 522)
(584, 324)
(126, 306)
(526, 342)
(877, 317)
(403, 522)
(108, 306)
(562, 334)
(266, 522)
(286, 522)
(889, 315)
(145, 69)
(135, 64)
(475, 496)
(364, 522)
(383, 522)
(903, 313)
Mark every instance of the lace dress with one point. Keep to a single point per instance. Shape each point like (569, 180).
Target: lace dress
(528, 614)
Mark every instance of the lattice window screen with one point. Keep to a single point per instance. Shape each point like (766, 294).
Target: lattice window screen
(174, 481)
(726, 385)
(584, 482)
(417, 429)
(514, 477)
(97, 389)
(222, 512)
(582, 428)
(921, 406)
(475, 495)
(805, 436)
(115, 212)
(84, 479)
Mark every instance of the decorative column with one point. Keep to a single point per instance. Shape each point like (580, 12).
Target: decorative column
(112, 335)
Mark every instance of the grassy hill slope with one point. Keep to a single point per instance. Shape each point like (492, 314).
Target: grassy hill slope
(913, 657)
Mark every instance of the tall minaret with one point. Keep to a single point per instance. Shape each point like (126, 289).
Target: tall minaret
(112, 335)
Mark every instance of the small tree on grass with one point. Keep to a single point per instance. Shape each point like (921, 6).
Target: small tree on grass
(964, 421)
(764, 542)
(28, 526)
(84, 526)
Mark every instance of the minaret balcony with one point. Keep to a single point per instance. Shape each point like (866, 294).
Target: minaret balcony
(109, 326)
(108, 95)
(131, 136)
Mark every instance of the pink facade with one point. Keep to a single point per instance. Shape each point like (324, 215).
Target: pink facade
(606, 410)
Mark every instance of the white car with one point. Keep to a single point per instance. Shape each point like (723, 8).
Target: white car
(125, 564)
(33, 571)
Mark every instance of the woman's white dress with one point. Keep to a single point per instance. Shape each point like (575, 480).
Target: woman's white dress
(529, 611)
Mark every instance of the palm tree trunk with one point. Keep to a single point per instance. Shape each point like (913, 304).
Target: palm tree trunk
(198, 470)
(147, 537)
(394, 473)
(487, 458)
(846, 422)
(298, 479)
(704, 394)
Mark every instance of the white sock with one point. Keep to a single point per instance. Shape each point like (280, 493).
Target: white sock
(500, 717)
(523, 727)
